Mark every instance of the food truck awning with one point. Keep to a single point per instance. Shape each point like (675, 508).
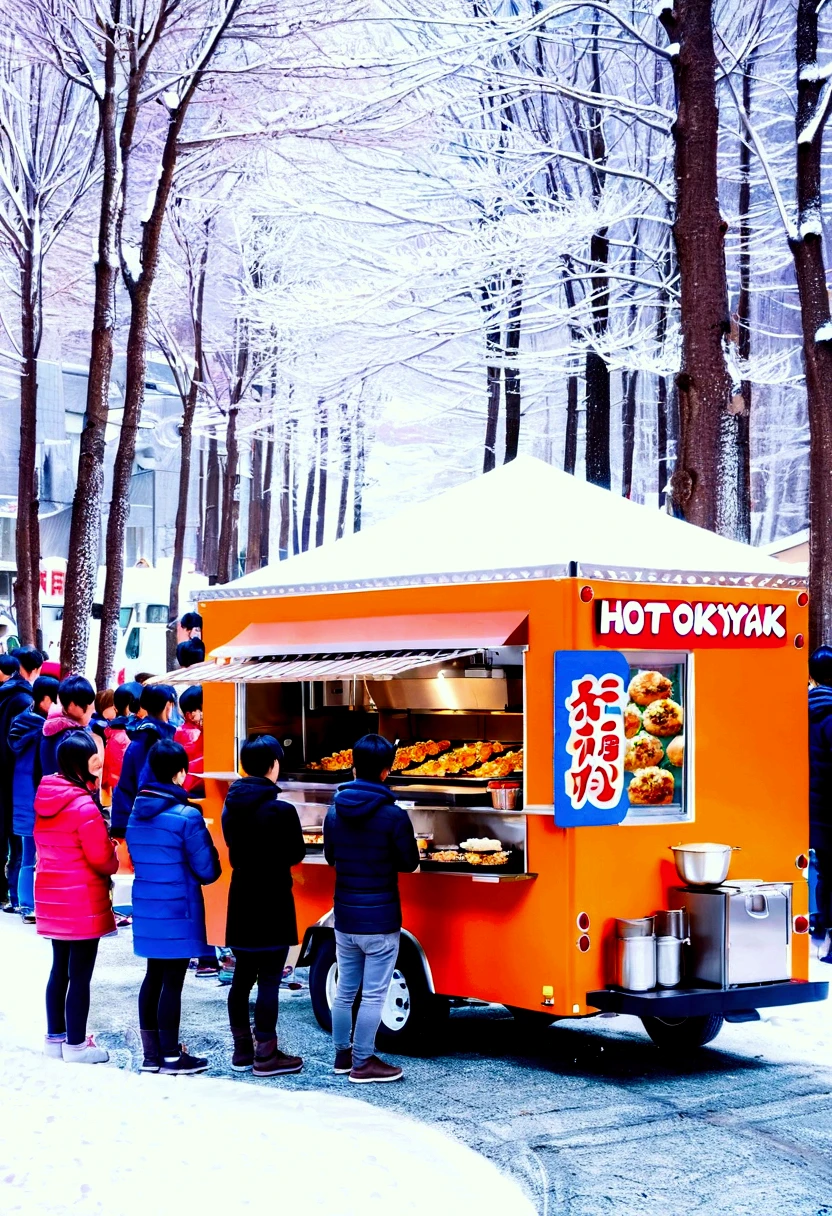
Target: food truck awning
(427, 631)
(330, 666)
(524, 520)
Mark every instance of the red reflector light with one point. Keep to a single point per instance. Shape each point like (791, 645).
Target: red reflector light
(799, 641)
(587, 594)
(583, 944)
(583, 921)
(802, 862)
(803, 599)
(801, 924)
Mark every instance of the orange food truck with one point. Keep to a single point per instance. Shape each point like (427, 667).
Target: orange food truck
(594, 704)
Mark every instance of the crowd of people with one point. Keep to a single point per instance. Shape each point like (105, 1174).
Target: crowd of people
(91, 782)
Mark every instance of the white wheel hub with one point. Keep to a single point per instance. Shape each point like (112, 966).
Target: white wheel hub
(396, 1010)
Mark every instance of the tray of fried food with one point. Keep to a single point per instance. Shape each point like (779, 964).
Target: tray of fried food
(313, 838)
(417, 753)
(502, 766)
(459, 760)
(446, 857)
(466, 862)
(336, 763)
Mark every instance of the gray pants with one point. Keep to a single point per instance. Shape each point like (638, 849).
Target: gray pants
(366, 961)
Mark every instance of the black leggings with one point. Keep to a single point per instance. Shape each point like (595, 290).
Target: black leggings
(160, 1000)
(68, 989)
(265, 969)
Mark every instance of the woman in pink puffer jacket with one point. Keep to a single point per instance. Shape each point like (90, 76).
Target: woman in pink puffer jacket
(72, 893)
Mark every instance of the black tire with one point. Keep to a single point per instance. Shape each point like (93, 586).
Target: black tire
(683, 1034)
(412, 1014)
(531, 1019)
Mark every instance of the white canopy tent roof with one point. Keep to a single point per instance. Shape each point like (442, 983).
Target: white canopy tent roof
(523, 520)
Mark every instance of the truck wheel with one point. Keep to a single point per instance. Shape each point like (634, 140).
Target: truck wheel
(410, 1012)
(683, 1034)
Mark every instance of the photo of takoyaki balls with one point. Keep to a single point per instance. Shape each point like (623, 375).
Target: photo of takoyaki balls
(676, 751)
(642, 752)
(652, 787)
(649, 686)
(632, 720)
(663, 718)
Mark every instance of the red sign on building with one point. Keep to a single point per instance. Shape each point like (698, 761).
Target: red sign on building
(685, 624)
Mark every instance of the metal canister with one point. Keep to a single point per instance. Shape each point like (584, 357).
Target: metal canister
(671, 922)
(636, 963)
(668, 962)
(640, 927)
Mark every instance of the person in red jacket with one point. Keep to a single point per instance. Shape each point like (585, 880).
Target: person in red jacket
(116, 739)
(189, 734)
(72, 893)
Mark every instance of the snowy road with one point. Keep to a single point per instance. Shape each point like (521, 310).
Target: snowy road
(587, 1118)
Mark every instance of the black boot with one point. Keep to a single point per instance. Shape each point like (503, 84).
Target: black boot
(152, 1061)
(243, 1056)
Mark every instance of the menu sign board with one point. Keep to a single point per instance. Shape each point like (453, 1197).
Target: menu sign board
(688, 624)
(590, 699)
(619, 738)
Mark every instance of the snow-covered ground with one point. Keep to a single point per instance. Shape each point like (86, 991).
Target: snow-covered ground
(105, 1140)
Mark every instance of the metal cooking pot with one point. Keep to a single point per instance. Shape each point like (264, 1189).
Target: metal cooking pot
(702, 865)
(643, 927)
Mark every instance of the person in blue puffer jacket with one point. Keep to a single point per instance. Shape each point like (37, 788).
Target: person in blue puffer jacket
(23, 742)
(157, 701)
(173, 858)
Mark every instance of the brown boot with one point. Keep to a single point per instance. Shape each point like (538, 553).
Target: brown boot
(243, 1056)
(269, 1062)
(375, 1069)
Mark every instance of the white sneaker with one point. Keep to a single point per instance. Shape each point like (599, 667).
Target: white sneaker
(85, 1053)
(53, 1048)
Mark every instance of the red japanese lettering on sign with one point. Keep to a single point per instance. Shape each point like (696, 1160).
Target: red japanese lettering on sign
(57, 578)
(596, 741)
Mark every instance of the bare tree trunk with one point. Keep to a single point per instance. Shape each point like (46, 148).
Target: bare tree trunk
(489, 294)
(255, 508)
(210, 547)
(85, 526)
(628, 426)
(598, 468)
(266, 511)
(358, 483)
(661, 438)
(345, 437)
(743, 416)
(322, 473)
(810, 272)
(295, 524)
(200, 527)
(230, 496)
(570, 447)
(306, 525)
(185, 447)
(285, 491)
(27, 539)
(707, 445)
(512, 371)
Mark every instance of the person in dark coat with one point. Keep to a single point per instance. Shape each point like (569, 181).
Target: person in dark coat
(15, 696)
(24, 738)
(157, 701)
(264, 840)
(820, 789)
(173, 858)
(76, 697)
(370, 841)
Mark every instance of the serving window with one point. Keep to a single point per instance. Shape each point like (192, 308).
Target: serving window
(658, 781)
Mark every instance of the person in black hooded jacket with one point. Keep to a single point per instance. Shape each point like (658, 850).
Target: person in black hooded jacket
(17, 671)
(370, 841)
(820, 787)
(264, 840)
